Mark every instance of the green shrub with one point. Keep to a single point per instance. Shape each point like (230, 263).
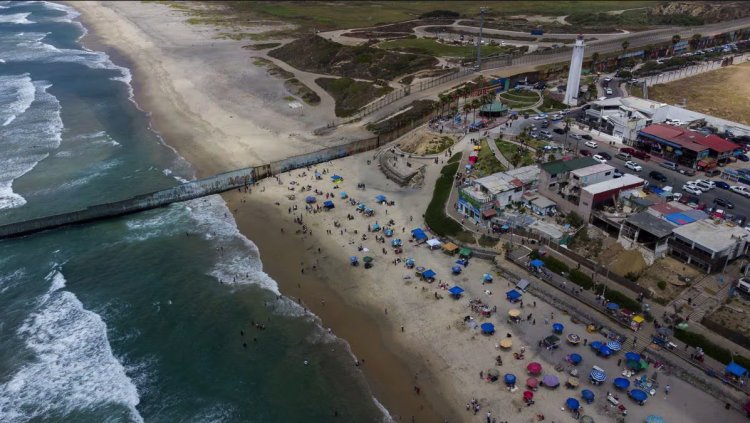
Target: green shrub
(435, 216)
(574, 219)
(712, 350)
(555, 265)
(662, 285)
(581, 279)
(623, 300)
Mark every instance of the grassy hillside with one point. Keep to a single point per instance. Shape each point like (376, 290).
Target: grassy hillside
(351, 95)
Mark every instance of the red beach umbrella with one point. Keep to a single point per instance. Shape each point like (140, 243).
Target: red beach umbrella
(534, 368)
(532, 382)
(528, 395)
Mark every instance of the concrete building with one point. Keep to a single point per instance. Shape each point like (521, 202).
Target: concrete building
(555, 176)
(606, 193)
(708, 245)
(647, 233)
(481, 198)
(688, 148)
(574, 73)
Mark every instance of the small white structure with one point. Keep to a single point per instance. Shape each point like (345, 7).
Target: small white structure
(574, 74)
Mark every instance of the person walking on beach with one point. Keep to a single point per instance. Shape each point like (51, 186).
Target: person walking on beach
(667, 389)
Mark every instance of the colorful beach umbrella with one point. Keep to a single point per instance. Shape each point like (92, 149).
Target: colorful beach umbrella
(380, 198)
(528, 395)
(655, 419)
(598, 375)
(572, 404)
(551, 381)
(621, 383)
(557, 327)
(456, 270)
(488, 328)
(456, 290)
(487, 277)
(534, 368)
(532, 382)
(614, 346)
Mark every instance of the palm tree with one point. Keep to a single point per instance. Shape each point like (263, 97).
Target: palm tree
(475, 104)
(594, 59)
(625, 44)
(676, 39)
(443, 100)
(694, 40)
(467, 109)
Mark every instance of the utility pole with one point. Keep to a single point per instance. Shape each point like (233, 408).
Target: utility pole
(479, 40)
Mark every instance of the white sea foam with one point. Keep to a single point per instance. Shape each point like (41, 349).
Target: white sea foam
(16, 95)
(28, 139)
(16, 18)
(70, 13)
(73, 368)
(10, 280)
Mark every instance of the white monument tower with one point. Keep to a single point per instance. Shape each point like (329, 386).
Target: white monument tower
(574, 75)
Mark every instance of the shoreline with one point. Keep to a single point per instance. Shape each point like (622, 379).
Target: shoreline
(388, 369)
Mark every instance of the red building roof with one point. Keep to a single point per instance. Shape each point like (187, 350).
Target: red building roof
(691, 140)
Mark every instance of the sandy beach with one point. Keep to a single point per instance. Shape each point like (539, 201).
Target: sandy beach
(421, 359)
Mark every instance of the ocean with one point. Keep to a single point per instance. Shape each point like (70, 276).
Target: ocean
(151, 317)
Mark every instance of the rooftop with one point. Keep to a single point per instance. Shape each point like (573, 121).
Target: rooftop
(506, 181)
(663, 209)
(626, 181)
(691, 140)
(560, 166)
(650, 224)
(592, 170)
(716, 237)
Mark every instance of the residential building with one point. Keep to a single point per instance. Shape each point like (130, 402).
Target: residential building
(555, 176)
(480, 198)
(708, 245)
(647, 233)
(606, 193)
(689, 148)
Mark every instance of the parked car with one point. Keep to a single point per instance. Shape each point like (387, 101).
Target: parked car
(740, 190)
(692, 189)
(669, 165)
(608, 91)
(624, 156)
(591, 144)
(640, 155)
(687, 171)
(658, 176)
(703, 186)
(575, 136)
(721, 184)
(540, 116)
(617, 173)
(723, 203)
(599, 158)
(558, 131)
(743, 157)
(584, 153)
(710, 173)
(685, 199)
(627, 150)
(586, 137)
(633, 166)
(605, 155)
(607, 79)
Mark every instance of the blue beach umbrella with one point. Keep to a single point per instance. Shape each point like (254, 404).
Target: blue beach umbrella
(456, 270)
(596, 345)
(336, 178)
(343, 194)
(488, 328)
(604, 351)
(557, 327)
(456, 290)
(598, 375)
(310, 199)
(380, 198)
(361, 206)
(328, 204)
(429, 274)
(632, 356)
(396, 243)
(576, 359)
(410, 261)
(621, 383)
(655, 419)
(487, 277)
(587, 396)
(638, 396)
(572, 404)
(510, 379)
(353, 259)
(614, 346)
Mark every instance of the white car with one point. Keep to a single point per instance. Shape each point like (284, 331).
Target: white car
(692, 189)
(607, 79)
(576, 137)
(740, 190)
(633, 166)
(703, 185)
(591, 144)
(540, 116)
(608, 91)
(599, 158)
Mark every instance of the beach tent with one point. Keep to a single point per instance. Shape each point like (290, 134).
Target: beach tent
(456, 270)
(328, 204)
(465, 252)
(534, 368)
(450, 248)
(429, 274)
(510, 379)
(488, 328)
(343, 195)
(621, 383)
(419, 234)
(434, 243)
(655, 419)
(638, 396)
(575, 359)
(551, 342)
(735, 369)
(613, 306)
(380, 198)
(537, 263)
(487, 277)
(513, 295)
(456, 291)
(310, 199)
(551, 381)
(614, 346)
(557, 328)
(598, 375)
(587, 396)
(572, 404)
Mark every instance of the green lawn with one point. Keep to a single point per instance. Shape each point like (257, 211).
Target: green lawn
(521, 94)
(487, 164)
(510, 152)
(552, 105)
(434, 48)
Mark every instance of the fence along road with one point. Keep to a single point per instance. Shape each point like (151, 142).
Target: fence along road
(430, 88)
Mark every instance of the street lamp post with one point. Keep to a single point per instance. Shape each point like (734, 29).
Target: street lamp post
(482, 10)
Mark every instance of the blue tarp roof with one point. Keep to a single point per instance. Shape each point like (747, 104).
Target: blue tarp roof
(418, 233)
(429, 273)
(735, 369)
(679, 218)
(537, 263)
(456, 290)
(513, 294)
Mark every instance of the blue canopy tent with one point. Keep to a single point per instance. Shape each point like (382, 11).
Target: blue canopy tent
(419, 234)
(575, 359)
(456, 291)
(388, 232)
(343, 195)
(380, 198)
(598, 375)
(735, 369)
(328, 204)
(456, 270)
(375, 227)
(604, 351)
(596, 345)
(638, 396)
(513, 295)
(310, 199)
(613, 306)
(487, 277)
(614, 346)
(572, 404)
(632, 356)
(409, 262)
(488, 328)
(587, 396)
(429, 274)
(396, 242)
(354, 260)
(655, 419)
(558, 328)
(536, 263)
(621, 383)
(510, 379)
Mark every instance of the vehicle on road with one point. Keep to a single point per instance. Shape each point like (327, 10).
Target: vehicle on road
(591, 144)
(586, 137)
(609, 91)
(658, 176)
(710, 173)
(617, 174)
(687, 199)
(575, 136)
(605, 155)
(723, 202)
(687, 171)
(740, 190)
(669, 165)
(599, 158)
(721, 184)
(640, 155)
(558, 131)
(627, 150)
(540, 116)
(584, 153)
(692, 189)
(607, 79)
(623, 156)
(633, 166)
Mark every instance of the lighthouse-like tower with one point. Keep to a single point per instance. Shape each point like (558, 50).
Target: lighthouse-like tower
(574, 75)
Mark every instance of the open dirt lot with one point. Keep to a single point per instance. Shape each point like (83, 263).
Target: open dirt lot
(722, 93)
